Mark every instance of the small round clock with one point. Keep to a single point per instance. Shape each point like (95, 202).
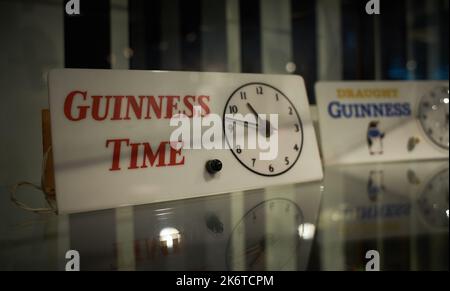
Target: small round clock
(432, 201)
(433, 116)
(259, 99)
(281, 241)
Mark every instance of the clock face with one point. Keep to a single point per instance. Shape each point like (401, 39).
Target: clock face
(262, 99)
(433, 116)
(283, 238)
(433, 201)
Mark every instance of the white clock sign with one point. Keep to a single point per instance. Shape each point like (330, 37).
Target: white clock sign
(116, 135)
(364, 122)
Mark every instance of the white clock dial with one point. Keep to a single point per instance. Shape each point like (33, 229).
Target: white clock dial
(433, 116)
(262, 99)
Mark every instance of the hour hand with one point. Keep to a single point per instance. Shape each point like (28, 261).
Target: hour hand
(253, 110)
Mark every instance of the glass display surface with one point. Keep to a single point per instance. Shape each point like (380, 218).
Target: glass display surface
(397, 209)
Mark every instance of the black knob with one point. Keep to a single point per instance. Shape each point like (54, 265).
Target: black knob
(213, 166)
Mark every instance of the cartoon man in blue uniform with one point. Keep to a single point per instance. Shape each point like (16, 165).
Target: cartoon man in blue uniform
(375, 138)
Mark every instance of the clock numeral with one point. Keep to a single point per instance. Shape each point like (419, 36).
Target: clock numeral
(296, 148)
(254, 162)
(238, 149)
(277, 97)
(243, 96)
(271, 169)
(286, 161)
(291, 111)
(233, 109)
(259, 90)
(297, 128)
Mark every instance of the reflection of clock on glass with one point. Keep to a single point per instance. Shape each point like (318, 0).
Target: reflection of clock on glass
(261, 99)
(433, 201)
(433, 116)
(282, 239)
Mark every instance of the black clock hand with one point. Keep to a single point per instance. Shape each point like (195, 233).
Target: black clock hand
(246, 123)
(253, 110)
(268, 132)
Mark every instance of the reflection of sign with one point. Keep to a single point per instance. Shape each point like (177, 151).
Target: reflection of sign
(283, 241)
(373, 212)
(375, 185)
(163, 239)
(386, 198)
(433, 201)
(383, 121)
(112, 135)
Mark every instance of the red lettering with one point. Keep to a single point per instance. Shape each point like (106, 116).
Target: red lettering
(82, 112)
(117, 107)
(173, 157)
(110, 107)
(151, 157)
(134, 156)
(189, 105)
(204, 105)
(171, 105)
(157, 108)
(96, 108)
(137, 109)
(116, 152)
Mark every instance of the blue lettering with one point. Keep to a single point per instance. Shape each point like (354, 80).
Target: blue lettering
(334, 110)
(368, 110)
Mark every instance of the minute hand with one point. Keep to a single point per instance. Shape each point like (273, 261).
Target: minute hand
(244, 122)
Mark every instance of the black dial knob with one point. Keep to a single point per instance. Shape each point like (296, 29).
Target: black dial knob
(213, 166)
